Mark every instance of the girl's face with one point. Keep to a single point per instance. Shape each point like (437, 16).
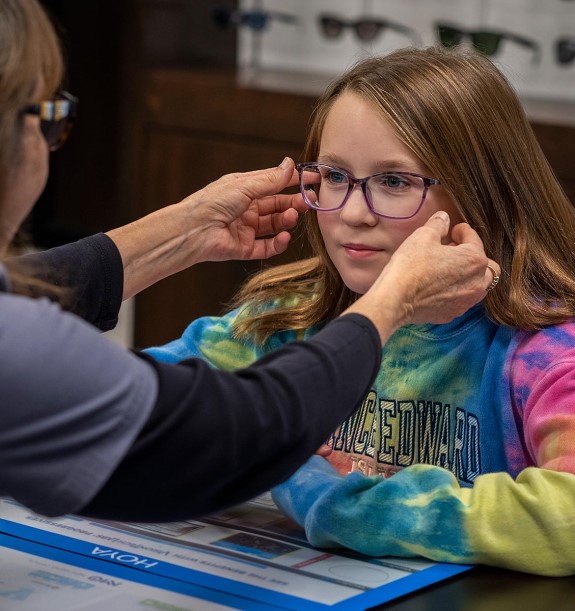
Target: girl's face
(357, 139)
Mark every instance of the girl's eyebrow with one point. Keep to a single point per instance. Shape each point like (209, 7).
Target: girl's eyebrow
(389, 165)
(331, 160)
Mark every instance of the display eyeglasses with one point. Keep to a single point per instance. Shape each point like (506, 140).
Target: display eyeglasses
(365, 29)
(392, 195)
(254, 20)
(487, 42)
(57, 117)
(565, 49)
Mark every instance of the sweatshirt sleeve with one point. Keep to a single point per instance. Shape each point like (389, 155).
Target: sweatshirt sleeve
(212, 339)
(92, 269)
(216, 438)
(525, 524)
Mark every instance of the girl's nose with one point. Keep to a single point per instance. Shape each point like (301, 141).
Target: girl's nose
(356, 210)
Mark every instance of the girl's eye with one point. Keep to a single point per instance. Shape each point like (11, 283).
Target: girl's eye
(394, 181)
(336, 178)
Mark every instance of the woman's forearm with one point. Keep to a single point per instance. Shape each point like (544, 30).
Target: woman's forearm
(156, 246)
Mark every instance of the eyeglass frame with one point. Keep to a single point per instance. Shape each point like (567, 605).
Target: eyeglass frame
(381, 24)
(502, 35)
(50, 112)
(256, 20)
(352, 181)
(563, 45)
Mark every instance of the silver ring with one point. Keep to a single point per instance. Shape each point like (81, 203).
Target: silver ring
(495, 280)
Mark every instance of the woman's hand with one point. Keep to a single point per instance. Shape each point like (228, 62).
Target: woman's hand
(243, 217)
(427, 281)
(239, 216)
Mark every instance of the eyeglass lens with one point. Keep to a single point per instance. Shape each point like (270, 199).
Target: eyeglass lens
(485, 42)
(256, 20)
(449, 37)
(391, 194)
(331, 27)
(56, 118)
(365, 29)
(225, 17)
(56, 132)
(565, 50)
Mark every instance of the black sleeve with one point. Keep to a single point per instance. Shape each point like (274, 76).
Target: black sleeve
(215, 438)
(92, 269)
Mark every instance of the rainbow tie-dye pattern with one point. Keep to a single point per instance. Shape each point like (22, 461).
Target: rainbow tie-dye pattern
(463, 451)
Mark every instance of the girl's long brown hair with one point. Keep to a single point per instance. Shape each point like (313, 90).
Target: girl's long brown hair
(463, 120)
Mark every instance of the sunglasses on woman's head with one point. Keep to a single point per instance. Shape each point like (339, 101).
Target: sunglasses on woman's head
(56, 117)
(485, 41)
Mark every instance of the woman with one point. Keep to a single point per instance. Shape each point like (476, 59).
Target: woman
(463, 449)
(88, 427)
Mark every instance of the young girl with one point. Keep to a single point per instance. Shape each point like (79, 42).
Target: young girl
(464, 449)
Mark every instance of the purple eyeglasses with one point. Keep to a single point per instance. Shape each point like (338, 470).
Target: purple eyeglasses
(393, 195)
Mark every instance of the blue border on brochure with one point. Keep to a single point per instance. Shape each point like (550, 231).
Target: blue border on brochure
(227, 587)
(128, 574)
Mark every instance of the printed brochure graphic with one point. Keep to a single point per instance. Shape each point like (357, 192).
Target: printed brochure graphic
(248, 553)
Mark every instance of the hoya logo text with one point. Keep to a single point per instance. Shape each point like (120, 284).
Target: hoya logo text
(132, 559)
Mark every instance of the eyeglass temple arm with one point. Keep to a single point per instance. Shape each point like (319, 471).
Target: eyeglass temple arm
(403, 29)
(283, 17)
(526, 42)
(73, 101)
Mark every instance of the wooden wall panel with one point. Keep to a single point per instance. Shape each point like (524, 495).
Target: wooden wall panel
(176, 165)
(558, 144)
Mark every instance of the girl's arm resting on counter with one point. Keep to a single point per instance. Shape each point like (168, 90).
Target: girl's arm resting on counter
(527, 524)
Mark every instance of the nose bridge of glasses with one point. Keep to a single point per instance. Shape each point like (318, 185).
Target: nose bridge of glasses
(362, 192)
(403, 29)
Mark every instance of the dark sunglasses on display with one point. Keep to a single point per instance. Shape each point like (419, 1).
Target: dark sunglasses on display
(255, 20)
(487, 42)
(565, 49)
(365, 28)
(56, 117)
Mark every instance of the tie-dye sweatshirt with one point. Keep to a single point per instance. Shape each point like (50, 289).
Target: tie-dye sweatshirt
(463, 451)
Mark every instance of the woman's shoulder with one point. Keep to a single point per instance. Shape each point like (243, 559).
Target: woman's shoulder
(28, 314)
(39, 324)
(36, 335)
